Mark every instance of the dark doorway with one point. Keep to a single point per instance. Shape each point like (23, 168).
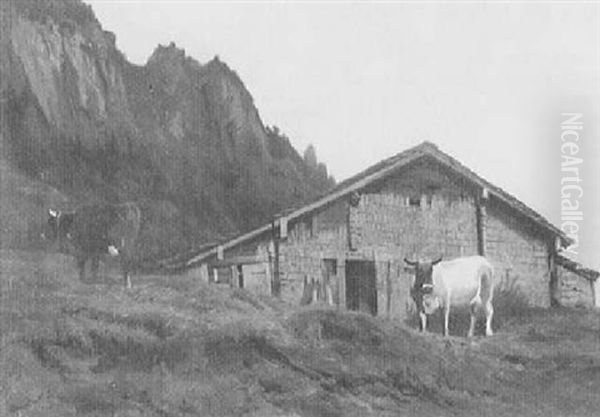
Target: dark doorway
(240, 274)
(221, 275)
(361, 287)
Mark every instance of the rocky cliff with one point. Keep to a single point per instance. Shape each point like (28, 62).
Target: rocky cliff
(182, 136)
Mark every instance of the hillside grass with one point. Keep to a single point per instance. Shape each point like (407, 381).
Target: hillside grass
(172, 346)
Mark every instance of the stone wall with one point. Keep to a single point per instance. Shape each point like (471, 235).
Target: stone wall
(257, 279)
(310, 240)
(574, 290)
(518, 253)
(421, 212)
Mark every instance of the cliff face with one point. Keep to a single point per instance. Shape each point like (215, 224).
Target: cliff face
(184, 137)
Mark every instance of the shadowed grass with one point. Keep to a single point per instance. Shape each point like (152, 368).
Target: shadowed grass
(173, 346)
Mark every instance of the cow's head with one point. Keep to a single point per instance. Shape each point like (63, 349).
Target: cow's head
(423, 285)
(58, 225)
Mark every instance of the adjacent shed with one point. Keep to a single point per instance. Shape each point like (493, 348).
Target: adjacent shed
(347, 247)
(577, 285)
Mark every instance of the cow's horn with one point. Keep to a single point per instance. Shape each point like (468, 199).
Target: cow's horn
(411, 263)
(437, 261)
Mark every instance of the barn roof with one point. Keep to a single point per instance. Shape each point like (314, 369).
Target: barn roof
(379, 171)
(575, 267)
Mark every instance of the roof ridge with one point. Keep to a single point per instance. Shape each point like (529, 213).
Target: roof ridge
(383, 168)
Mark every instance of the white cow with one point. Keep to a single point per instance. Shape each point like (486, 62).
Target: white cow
(467, 281)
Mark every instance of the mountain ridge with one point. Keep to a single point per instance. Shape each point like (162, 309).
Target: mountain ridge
(183, 136)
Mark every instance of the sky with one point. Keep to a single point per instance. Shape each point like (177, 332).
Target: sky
(487, 82)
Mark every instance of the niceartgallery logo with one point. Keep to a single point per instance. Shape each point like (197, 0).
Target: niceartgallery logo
(571, 191)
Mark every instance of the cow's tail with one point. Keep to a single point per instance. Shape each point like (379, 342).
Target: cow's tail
(486, 283)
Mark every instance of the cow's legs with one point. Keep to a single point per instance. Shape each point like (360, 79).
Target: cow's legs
(423, 317)
(473, 306)
(486, 302)
(95, 264)
(125, 268)
(446, 318)
(127, 279)
(126, 273)
(473, 311)
(489, 313)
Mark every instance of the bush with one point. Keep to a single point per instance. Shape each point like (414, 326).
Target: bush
(510, 303)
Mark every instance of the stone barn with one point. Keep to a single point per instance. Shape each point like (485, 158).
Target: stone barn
(347, 247)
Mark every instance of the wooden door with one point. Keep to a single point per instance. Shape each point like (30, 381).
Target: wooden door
(361, 286)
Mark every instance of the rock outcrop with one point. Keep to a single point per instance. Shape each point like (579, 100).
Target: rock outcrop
(183, 136)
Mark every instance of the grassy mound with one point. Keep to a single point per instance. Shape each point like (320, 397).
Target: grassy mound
(172, 346)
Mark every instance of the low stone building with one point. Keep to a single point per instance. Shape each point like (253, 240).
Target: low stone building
(577, 285)
(347, 247)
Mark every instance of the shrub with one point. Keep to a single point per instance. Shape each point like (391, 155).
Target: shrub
(510, 302)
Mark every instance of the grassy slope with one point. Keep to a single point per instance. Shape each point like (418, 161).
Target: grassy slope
(23, 206)
(174, 347)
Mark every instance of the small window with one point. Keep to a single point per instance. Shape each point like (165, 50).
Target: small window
(414, 201)
(221, 275)
(330, 266)
(310, 226)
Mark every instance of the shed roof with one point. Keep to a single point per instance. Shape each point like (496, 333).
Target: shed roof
(379, 171)
(575, 267)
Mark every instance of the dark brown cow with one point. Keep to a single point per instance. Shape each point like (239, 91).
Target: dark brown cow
(96, 230)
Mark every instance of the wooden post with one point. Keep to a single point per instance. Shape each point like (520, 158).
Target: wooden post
(554, 287)
(204, 275)
(596, 292)
(240, 276)
(326, 281)
(388, 285)
(270, 266)
(305, 291)
(554, 295)
(481, 214)
(341, 269)
(348, 228)
(233, 279)
(329, 294)
(276, 275)
(283, 227)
